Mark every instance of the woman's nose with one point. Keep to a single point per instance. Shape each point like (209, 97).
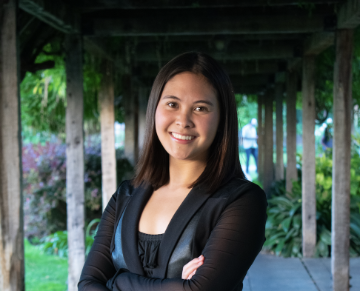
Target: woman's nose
(184, 120)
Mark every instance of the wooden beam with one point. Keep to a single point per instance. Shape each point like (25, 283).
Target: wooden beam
(75, 197)
(107, 120)
(318, 42)
(268, 142)
(279, 97)
(349, 15)
(221, 25)
(308, 168)
(340, 210)
(269, 52)
(11, 205)
(53, 13)
(291, 92)
(243, 68)
(93, 5)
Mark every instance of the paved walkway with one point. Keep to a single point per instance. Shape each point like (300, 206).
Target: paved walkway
(270, 273)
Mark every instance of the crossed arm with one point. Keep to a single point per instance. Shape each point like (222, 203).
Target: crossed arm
(231, 249)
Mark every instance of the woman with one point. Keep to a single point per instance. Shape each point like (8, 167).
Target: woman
(189, 220)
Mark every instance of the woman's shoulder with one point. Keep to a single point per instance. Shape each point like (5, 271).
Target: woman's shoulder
(125, 189)
(238, 188)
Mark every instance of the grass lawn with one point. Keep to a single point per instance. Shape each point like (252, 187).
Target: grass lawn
(44, 272)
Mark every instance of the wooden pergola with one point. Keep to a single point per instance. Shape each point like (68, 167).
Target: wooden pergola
(267, 46)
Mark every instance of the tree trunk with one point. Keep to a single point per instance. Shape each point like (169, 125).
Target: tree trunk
(260, 165)
(291, 171)
(268, 142)
(340, 226)
(279, 167)
(74, 159)
(308, 168)
(107, 120)
(11, 215)
(131, 121)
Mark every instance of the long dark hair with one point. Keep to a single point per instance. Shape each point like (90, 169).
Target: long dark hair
(223, 160)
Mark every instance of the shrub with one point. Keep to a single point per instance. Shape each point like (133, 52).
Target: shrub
(44, 176)
(284, 224)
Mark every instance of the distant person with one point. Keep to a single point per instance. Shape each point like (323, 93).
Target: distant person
(249, 140)
(327, 140)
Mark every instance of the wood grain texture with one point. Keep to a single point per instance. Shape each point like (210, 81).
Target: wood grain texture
(107, 120)
(340, 226)
(308, 168)
(11, 215)
(291, 171)
(74, 159)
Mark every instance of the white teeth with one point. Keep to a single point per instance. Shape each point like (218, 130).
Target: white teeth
(183, 137)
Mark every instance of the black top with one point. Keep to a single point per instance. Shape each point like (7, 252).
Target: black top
(148, 248)
(229, 233)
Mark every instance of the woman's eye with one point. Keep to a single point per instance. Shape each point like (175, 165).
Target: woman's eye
(200, 109)
(172, 104)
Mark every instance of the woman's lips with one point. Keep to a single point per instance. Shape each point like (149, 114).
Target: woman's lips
(180, 138)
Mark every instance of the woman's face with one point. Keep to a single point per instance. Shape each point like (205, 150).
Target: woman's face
(187, 116)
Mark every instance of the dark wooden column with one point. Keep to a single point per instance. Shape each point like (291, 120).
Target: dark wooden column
(291, 171)
(308, 167)
(107, 120)
(279, 166)
(340, 225)
(260, 165)
(131, 106)
(74, 159)
(11, 214)
(268, 142)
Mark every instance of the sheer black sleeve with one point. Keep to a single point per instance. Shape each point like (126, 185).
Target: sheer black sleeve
(232, 247)
(99, 268)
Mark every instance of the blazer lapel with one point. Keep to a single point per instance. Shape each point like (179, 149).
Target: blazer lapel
(129, 231)
(194, 200)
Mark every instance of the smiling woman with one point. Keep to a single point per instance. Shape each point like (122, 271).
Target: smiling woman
(188, 220)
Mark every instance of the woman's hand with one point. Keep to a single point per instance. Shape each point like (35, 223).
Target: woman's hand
(190, 268)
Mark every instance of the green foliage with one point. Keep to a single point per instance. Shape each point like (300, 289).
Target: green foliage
(43, 94)
(247, 109)
(284, 225)
(57, 243)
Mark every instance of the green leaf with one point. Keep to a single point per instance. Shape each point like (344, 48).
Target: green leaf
(286, 224)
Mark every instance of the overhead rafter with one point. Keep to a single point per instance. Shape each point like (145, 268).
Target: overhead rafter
(235, 53)
(204, 25)
(318, 42)
(241, 68)
(349, 14)
(91, 5)
(53, 13)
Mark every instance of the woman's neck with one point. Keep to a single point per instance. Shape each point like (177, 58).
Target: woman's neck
(184, 172)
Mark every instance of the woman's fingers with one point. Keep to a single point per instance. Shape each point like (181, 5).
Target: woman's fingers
(190, 268)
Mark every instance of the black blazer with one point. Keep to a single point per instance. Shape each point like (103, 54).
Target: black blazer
(227, 227)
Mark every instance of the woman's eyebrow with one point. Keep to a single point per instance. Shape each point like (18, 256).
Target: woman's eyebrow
(204, 101)
(171, 97)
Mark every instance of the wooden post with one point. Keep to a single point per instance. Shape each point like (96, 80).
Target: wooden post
(143, 100)
(279, 167)
(340, 226)
(11, 214)
(268, 173)
(308, 168)
(74, 159)
(107, 120)
(131, 120)
(291, 171)
(260, 131)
